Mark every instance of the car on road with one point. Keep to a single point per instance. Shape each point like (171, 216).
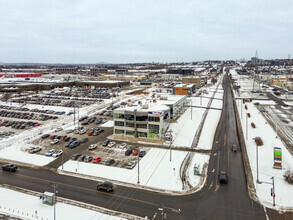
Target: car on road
(111, 144)
(223, 177)
(128, 152)
(108, 186)
(55, 141)
(234, 147)
(9, 167)
(131, 164)
(92, 146)
(57, 153)
(50, 152)
(96, 159)
(58, 129)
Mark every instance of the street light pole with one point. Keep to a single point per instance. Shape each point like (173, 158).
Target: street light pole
(273, 193)
(171, 144)
(138, 166)
(257, 180)
(55, 186)
(246, 126)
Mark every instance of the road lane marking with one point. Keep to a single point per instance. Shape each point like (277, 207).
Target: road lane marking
(217, 188)
(213, 170)
(91, 190)
(267, 217)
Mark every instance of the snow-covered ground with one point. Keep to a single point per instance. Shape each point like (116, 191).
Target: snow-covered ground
(156, 168)
(283, 190)
(24, 206)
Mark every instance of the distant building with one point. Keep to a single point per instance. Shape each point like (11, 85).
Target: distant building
(184, 89)
(183, 72)
(197, 80)
(68, 70)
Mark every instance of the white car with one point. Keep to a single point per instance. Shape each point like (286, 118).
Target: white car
(104, 120)
(58, 129)
(131, 164)
(55, 141)
(123, 145)
(50, 152)
(57, 153)
(69, 131)
(111, 144)
(92, 146)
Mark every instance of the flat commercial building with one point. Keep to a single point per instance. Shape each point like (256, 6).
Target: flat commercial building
(184, 89)
(197, 80)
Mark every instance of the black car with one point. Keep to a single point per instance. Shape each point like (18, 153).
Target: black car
(85, 123)
(9, 167)
(106, 142)
(142, 153)
(84, 140)
(45, 136)
(108, 186)
(128, 152)
(109, 162)
(223, 178)
(75, 156)
(81, 158)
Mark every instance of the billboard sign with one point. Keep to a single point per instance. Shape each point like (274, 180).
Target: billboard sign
(277, 158)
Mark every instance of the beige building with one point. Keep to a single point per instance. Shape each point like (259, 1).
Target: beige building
(197, 80)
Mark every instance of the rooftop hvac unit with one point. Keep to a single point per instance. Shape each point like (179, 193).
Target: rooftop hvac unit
(164, 98)
(129, 104)
(145, 106)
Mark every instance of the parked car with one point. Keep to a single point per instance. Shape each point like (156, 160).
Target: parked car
(50, 152)
(81, 158)
(223, 177)
(84, 140)
(58, 129)
(57, 153)
(85, 123)
(34, 149)
(88, 159)
(96, 159)
(9, 167)
(105, 143)
(99, 121)
(109, 162)
(131, 164)
(123, 145)
(108, 186)
(45, 136)
(69, 131)
(75, 156)
(128, 152)
(74, 144)
(135, 152)
(142, 153)
(90, 133)
(111, 144)
(55, 141)
(92, 146)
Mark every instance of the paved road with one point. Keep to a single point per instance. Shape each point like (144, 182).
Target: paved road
(214, 201)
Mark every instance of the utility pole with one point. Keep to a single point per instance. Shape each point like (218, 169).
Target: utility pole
(171, 144)
(246, 126)
(257, 180)
(55, 186)
(74, 114)
(273, 191)
(138, 166)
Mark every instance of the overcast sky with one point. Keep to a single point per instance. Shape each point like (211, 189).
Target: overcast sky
(121, 31)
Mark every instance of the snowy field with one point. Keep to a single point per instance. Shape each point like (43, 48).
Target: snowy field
(12, 204)
(283, 191)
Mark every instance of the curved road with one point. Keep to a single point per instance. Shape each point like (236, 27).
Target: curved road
(214, 201)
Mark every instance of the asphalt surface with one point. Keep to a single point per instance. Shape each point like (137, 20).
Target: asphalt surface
(214, 201)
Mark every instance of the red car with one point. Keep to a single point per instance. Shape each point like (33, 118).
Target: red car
(53, 136)
(91, 133)
(96, 159)
(135, 152)
(37, 125)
